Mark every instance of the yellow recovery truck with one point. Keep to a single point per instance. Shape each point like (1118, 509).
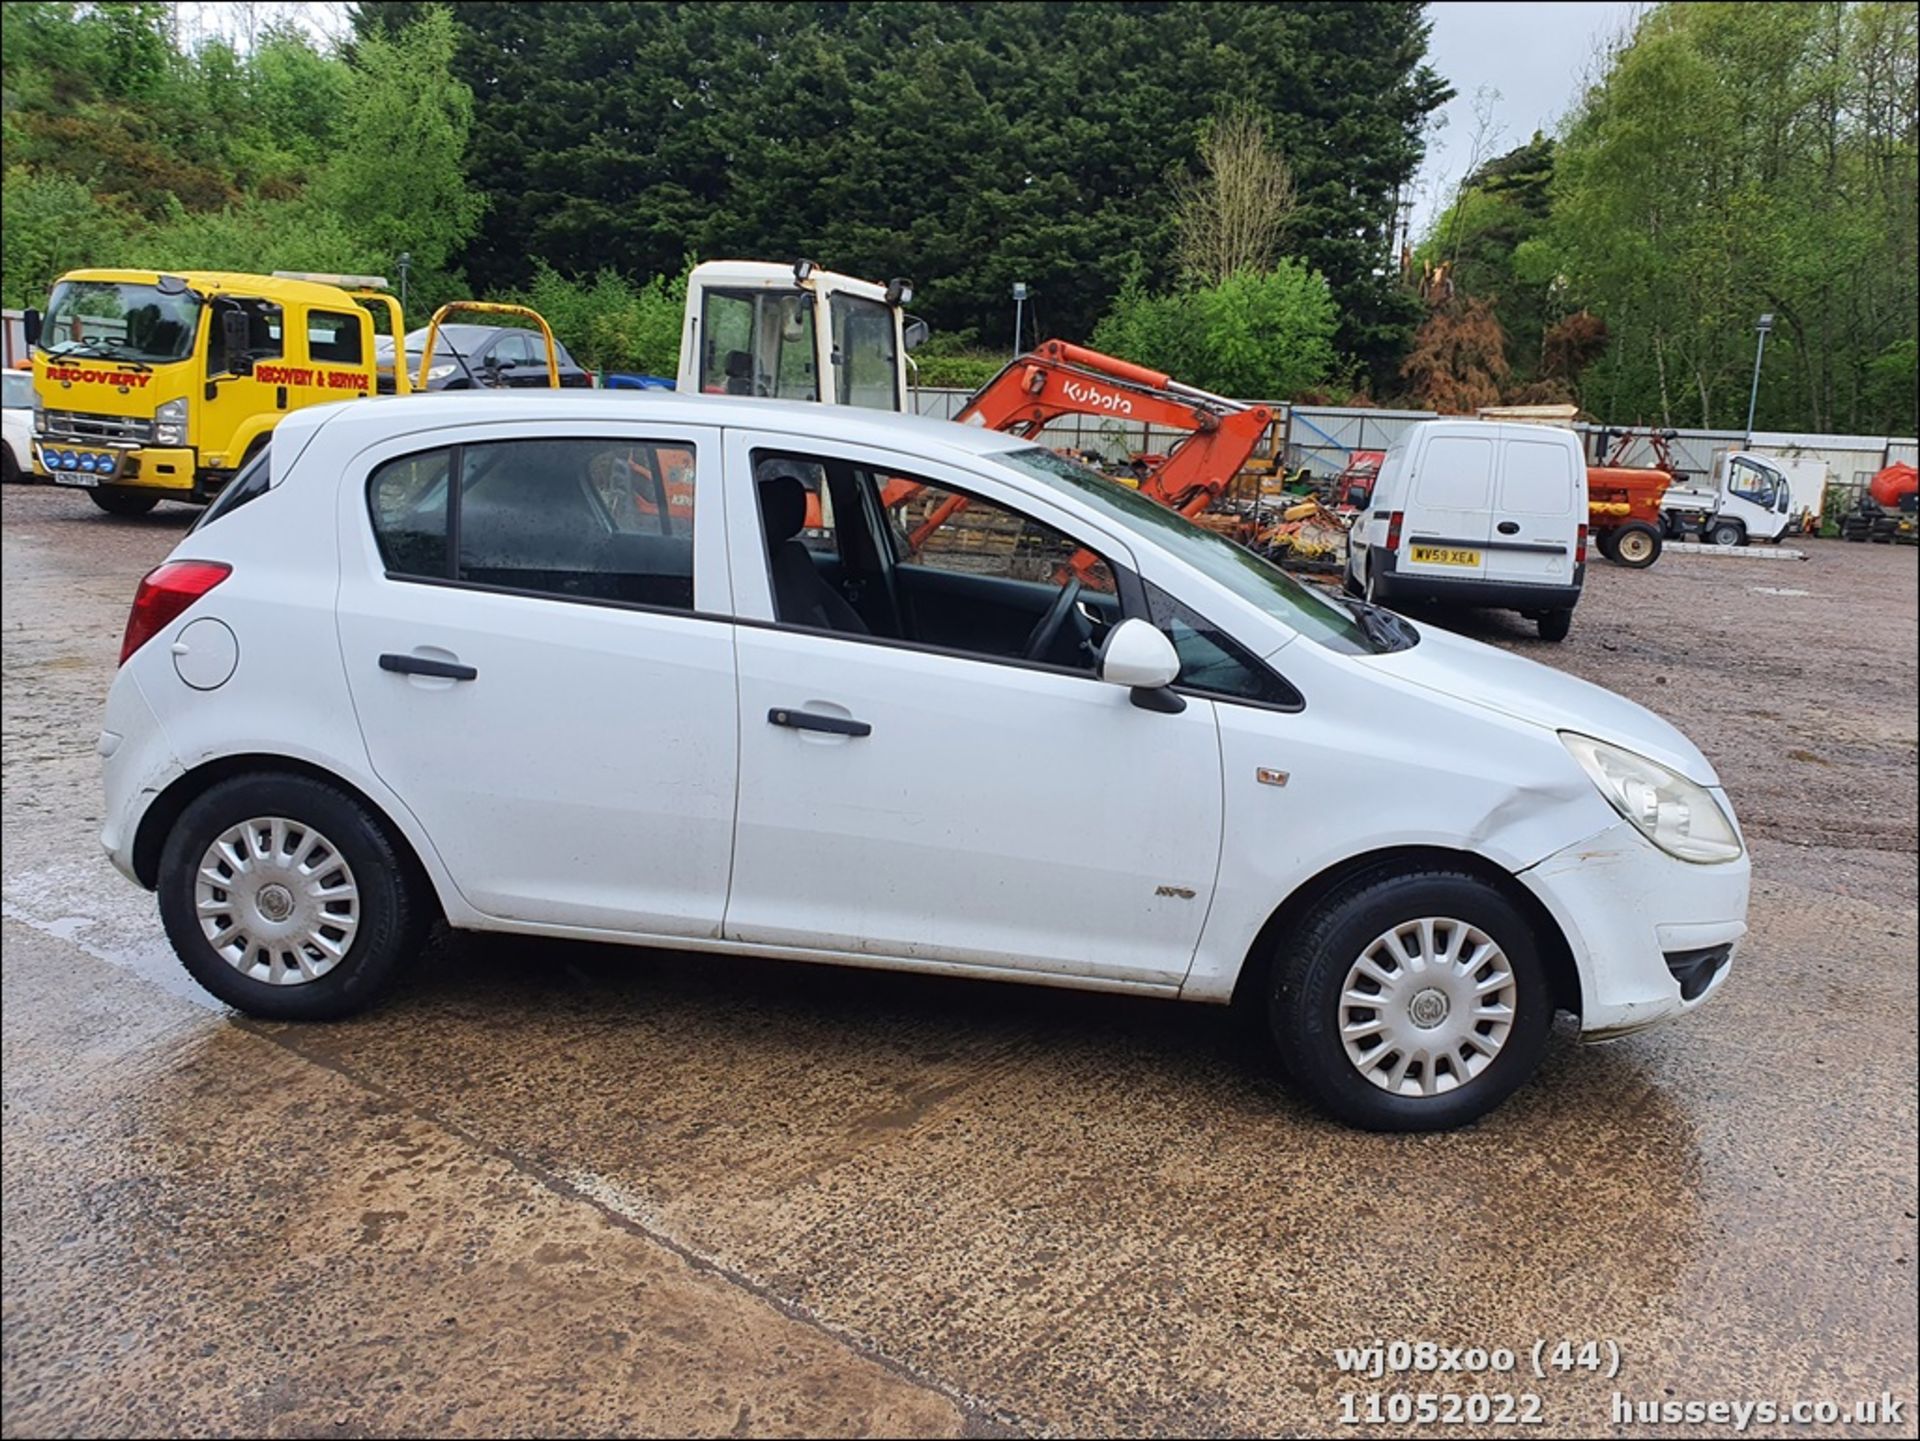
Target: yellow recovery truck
(154, 385)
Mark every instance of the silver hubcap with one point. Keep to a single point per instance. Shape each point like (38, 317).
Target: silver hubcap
(1427, 1006)
(277, 901)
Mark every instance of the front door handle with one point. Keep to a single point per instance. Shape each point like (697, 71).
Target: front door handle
(801, 720)
(420, 665)
(1509, 527)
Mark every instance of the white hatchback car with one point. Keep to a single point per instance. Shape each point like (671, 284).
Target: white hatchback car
(805, 682)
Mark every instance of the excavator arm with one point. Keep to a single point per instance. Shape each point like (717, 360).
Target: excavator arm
(1057, 379)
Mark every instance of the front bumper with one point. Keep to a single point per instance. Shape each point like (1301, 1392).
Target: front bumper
(137, 467)
(1637, 921)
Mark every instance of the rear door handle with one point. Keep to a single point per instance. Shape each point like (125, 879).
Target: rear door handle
(420, 665)
(1509, 527)
(801, 720)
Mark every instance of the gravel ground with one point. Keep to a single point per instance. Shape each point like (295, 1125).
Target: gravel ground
(559, 1189)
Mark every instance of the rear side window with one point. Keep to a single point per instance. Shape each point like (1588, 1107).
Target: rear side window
(1537, 479)
(594, 520)
(333, 336)
(1456, 473)
(250, 482)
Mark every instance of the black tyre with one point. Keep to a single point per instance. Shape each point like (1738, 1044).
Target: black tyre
(1554, 624)
(117, 500)
(288, 899)
(9, 467)
(1411, 1002)
(1726, 533)
(1604, 543)
(1636, 545)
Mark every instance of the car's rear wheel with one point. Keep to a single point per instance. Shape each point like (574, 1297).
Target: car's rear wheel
(1555, 625)
(9, 467)
(1414, 1001)
(287, 898)
(117, 500)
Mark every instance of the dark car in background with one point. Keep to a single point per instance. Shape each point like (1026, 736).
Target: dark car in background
(474, 357)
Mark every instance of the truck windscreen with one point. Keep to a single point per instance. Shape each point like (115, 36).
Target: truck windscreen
(111, 320)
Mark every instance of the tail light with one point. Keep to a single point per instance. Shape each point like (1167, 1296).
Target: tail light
(1393, 529)
(1580, 547)
(164, 593)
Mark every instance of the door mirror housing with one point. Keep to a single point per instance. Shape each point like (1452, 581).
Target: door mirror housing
(915, 333)
(1359, 496)
(30, 323)
(1138, 656)
(235, 337)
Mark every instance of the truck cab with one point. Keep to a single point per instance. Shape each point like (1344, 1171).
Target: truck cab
(797, 332)
(152, 385)
(1751, 498)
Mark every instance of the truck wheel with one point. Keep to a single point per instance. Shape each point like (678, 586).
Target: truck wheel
(1636, 545)
(118, 500)
(1411, 1000)
(1727, 533)
(1554, 624)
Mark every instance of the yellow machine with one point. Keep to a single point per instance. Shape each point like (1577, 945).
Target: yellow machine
(153, 385)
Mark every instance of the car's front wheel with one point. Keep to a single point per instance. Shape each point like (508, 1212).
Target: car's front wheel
(1413, 1001)
(287, 898)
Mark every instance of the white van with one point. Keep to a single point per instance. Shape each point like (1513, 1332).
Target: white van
(1475, 513)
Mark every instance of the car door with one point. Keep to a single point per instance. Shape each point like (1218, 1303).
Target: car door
(1542, 501)
(535, 667)
(940, 806)
(1449, 508)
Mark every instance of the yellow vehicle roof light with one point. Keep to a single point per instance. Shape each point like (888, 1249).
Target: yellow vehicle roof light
(344, 282)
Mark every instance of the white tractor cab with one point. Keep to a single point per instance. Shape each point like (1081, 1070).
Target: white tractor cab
(1749, 498)
(797, 332)
(1477, 513)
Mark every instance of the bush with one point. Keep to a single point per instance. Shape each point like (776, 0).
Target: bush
(956, 361)
(610, 323)
(1255, 335)
(52, 224)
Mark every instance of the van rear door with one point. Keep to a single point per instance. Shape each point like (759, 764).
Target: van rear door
(1542, 501)
(1449, 506)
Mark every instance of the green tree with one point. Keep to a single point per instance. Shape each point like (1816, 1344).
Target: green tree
(398, 175)
(53, 224)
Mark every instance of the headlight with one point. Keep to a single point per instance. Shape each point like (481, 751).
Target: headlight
(437, 372)
(170, 423)
(39, 418)
(1681, 818)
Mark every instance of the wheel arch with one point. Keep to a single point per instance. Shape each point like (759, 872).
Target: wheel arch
(167, 807)
(1555, 953)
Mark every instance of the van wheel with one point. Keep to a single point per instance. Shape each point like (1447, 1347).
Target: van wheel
(1636, 545)
(287, 899)
(117, 500)
(1554, 624)
(1414, 1001)
(1727, 533)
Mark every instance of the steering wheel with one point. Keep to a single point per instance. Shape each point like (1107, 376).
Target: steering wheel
(1048, 630)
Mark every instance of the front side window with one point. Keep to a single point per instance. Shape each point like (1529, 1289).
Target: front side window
(333, 337)
(864, 369)
(573, 519)
(112, 320)
(944, 530)
(1752, 482)
(265, 332)
(1302, 608)
(758, 342)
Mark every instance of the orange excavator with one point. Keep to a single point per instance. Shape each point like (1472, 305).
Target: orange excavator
(1056, 379)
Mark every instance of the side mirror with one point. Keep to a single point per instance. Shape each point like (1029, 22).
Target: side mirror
(1138, 656)
(235, 336)
(1358, 496)
(915, 333)
(30, 323)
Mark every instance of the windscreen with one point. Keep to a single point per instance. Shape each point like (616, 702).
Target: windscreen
(109, 320)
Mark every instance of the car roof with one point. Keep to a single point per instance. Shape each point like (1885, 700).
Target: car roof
(463, 332)
(388, 417)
